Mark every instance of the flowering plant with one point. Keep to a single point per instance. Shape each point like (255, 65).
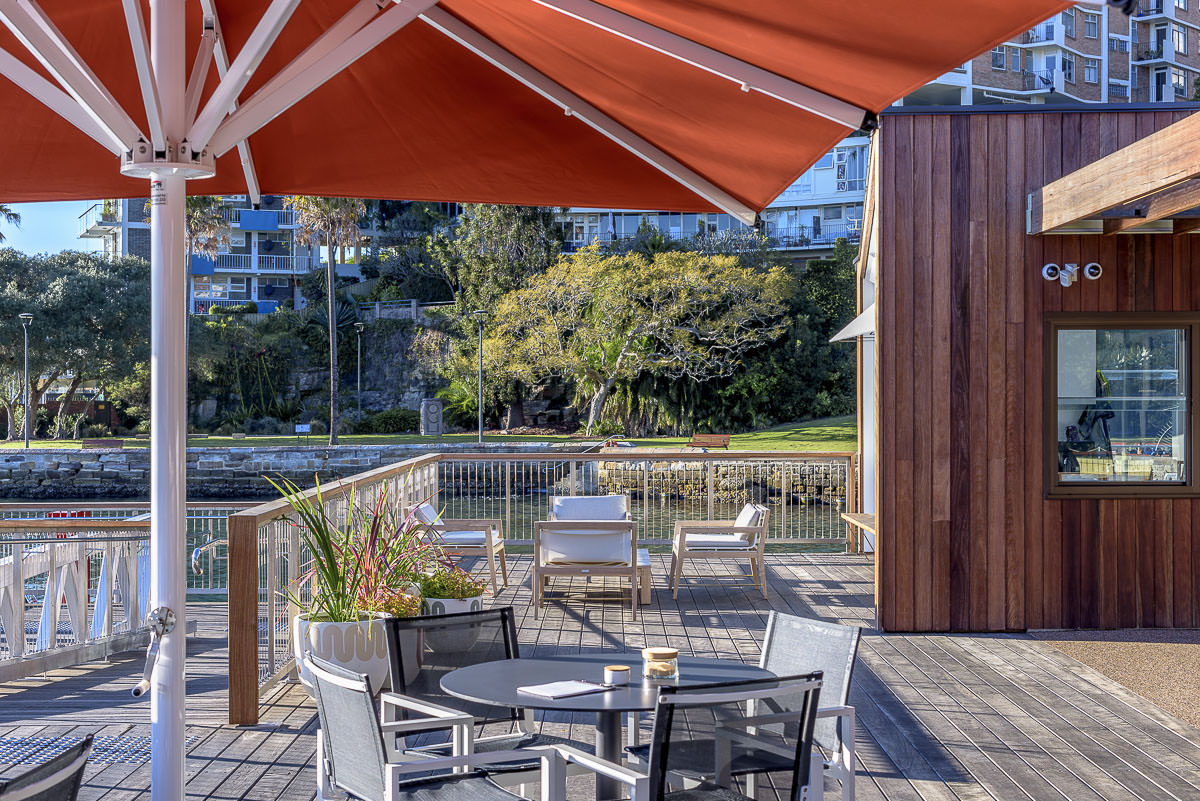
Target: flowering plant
(451, 582)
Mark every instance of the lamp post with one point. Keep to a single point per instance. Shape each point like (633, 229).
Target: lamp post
(480, 314)
(358, 329)
(26, 319)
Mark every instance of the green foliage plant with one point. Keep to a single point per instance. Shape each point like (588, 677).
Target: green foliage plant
(451, 581)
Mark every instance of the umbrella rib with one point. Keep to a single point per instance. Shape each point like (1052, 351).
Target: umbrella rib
(57, 101)
(222, 61)
(200, 68)
(748, 76)
(34, 29)
(296, 84)
(141, 59)
(576, 106)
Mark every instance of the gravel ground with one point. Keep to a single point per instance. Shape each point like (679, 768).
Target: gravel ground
(1161, 665)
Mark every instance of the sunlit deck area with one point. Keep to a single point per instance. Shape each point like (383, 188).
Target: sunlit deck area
(939, 717)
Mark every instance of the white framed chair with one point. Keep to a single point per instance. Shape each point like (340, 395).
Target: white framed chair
(743, 539)
(588, 535)
(796, 645)
(58, 778)
(466, 537)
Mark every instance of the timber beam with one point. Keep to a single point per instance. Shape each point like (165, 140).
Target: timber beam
(1168, 203)
(1162, 160)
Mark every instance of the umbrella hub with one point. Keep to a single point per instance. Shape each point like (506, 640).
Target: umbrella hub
(178, 159)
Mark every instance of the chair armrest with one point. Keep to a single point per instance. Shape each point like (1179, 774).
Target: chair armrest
(434, 716)
(572, 526)
(835, 712)
(704, 525)
(545, 752)
(602, 766)
(464, 524)
(730, 529)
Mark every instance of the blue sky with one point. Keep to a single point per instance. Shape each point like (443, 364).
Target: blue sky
(48, 227)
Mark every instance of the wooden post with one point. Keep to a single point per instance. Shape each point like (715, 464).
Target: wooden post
(243, 620)
(851, 500)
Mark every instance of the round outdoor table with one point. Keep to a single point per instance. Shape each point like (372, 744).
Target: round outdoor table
(496, 683)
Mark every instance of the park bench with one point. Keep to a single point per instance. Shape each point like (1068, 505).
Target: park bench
(709, 441)
(91, 444)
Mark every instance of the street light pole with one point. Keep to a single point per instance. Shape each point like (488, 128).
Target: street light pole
(26, 319)
(358, 329)
(479, 315)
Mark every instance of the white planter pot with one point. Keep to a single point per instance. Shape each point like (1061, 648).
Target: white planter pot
(359, 646)
(451, 641)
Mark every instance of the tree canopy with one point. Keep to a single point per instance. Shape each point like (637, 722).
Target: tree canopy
(604, 318)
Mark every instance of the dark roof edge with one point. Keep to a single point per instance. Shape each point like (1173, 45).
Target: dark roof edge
(1036, 108)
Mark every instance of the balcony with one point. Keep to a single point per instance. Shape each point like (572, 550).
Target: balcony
(1147, 56)
(802, 237)
(1047, 33)
(262, 263)
(284, 218)
(100, 220)
(1154, 8)
(1042, 80)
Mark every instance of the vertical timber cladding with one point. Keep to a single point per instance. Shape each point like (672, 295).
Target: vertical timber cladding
(967, 539)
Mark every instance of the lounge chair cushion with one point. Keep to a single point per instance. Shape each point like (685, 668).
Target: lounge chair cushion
(749, 516)
(590, 507)
(705, 542)
(598, 548)
(464, 539)
(425, 513)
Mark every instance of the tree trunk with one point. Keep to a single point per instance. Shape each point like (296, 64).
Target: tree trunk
(60, 420)
(598, 401)
(516, 414)
(10, 419)
(331, 306)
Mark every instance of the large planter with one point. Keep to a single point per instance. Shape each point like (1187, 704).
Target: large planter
(451, 641)
(360, 646)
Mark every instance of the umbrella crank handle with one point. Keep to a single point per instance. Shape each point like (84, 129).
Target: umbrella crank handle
(161, 622)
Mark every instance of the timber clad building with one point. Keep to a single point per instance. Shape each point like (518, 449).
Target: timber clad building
(1035, 399)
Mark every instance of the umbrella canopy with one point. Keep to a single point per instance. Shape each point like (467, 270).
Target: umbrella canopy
(464, 100)
(668, 104)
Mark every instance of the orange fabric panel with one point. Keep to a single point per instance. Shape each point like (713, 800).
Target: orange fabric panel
(421, 118)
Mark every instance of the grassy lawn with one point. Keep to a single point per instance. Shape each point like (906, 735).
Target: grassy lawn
(829, 434)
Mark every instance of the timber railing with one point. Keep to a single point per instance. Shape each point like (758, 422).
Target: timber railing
(75, 579)
(806, 492)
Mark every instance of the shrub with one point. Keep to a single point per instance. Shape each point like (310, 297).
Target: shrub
(452, 583)
(319, 428)
(92, 431)
(391, 421)
(143, 427)
(225, 429)
(261, 425)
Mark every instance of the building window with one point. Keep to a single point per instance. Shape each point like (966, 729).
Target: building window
(1068, 67)
(1091, 70)
(1068, 19)
(1179, 39)
(1119, 404)
(1116, 45)
(1118, 90)
(1181, 4)
(1091, 26)
(1014, 58)
(831, 213)
(998, 55)
(1179, 83)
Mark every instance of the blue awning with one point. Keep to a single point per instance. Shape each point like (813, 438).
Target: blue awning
(202, 265)
(258, 220)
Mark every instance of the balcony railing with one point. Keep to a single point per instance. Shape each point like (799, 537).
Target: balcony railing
(1042, 33)
(805, 236)
(264, 263)
(806, 493)
(1151, 8)
(1038, 80)
(100, 219)
(285, 217)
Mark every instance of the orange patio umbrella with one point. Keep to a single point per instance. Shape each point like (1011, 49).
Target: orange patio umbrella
(669, 104)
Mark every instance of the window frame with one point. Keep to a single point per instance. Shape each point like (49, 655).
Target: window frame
(1068, 21)
(1000, 63)
(1092, 65)
(1068, 75)
(1091, 21)
(1189, 322)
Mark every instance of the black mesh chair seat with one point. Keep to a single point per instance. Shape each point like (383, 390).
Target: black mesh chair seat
(511, 742)
(56, 779)
(474, 786)
(694, 758)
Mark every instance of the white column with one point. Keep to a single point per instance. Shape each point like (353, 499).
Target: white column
(168, 410)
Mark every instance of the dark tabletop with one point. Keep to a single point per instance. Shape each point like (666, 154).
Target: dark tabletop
(497, 682)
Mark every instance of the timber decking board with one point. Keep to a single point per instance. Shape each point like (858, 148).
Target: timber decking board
(968, 539)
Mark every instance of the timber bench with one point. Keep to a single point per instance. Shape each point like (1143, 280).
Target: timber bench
(856, 523)
(709, 441)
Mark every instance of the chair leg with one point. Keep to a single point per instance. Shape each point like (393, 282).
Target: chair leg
(671, 570)
(677, 575)
(633, 588)
(761, 573)
(491, 557)
(322, 775)
(537, 594)
(503, 566)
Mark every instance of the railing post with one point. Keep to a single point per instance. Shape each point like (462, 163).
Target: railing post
(646, 499)
(243, 620)
(52, 593)
(573, 477)
(851, 499)
(785, 489)
(110, 565)
(708, 469)
(508, 529)
(16, 640)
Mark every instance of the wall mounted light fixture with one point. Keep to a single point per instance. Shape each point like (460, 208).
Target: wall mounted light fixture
(1068, 274)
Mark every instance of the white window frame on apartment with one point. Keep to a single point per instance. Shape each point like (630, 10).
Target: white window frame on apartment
(1014, 58)
(1068, 21)
(1114, 84)
(1068, 67)
(1118, 45)
(999, 57)
(831, 214)
(1179, 87)
(1181, 4)
(1179, 39)
(1091, 26)
(1091, 70)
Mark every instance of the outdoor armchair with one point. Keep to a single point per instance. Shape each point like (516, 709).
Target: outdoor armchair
(707, 735)
(466, 537)
(796, 644)
(590, 535)
(422, 650)
(57, 778)
(743, 539)
(354, 754)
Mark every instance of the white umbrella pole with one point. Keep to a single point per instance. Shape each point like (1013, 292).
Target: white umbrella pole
(168, 410)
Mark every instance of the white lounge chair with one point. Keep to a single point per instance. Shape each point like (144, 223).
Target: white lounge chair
(743, 539)
(465, 537)
(589, 535)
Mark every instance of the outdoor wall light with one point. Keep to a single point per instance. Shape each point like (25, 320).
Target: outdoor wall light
(1068, 274)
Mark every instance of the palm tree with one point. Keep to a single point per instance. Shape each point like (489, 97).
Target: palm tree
(334, 220)
(9, 216)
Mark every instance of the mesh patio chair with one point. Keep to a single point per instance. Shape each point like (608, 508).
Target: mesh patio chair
(354, 754)
(710, 740)
(743, 539)
(588, 535)
(56, 779)
(795, 645)
(466, 537)
(423, 650)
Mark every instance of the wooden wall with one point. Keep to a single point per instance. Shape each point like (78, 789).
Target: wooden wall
(967, 539)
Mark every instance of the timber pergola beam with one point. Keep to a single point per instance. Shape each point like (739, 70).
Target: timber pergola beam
(1164, 160)
(1168, 203)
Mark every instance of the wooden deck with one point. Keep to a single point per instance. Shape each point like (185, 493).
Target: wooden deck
(939, 717)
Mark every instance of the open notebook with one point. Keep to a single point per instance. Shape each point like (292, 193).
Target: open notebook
(564, 689)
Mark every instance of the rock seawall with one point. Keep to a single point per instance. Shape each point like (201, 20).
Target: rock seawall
(48, 474)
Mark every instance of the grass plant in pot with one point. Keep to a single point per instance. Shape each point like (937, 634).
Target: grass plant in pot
(360, 569)
(445, 590)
